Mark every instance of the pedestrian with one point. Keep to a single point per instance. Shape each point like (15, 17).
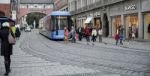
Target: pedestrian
(80, 33)
(6, 48)
(17, 33)
(117, 38)
(73, 34)
(94, 34)
(13, 28)
(66, 35)
(133, 31)
(121, 31)
(87, 34)
(100, 33)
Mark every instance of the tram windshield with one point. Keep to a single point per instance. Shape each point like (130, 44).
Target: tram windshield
(59, 22)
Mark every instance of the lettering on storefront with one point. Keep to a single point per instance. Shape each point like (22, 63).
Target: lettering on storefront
(130, 7)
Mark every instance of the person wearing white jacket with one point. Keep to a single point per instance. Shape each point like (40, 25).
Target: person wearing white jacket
(100, 33)
(94, 34)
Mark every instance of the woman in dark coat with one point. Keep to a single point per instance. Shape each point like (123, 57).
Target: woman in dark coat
(6, 48)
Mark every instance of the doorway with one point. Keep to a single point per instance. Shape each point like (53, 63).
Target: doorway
(105, 25)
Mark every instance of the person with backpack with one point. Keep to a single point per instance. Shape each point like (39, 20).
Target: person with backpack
(6, 47)
(87, 34)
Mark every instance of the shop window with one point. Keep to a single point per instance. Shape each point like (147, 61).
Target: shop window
(132, 25)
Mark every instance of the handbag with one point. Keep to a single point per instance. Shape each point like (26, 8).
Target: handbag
(11, 39)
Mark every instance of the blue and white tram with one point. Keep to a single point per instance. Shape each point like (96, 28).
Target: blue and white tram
(52, 25)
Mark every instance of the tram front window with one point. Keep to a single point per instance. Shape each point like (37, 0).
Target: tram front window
(60, 22)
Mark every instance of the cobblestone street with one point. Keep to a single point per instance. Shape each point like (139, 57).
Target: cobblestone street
(35, 55)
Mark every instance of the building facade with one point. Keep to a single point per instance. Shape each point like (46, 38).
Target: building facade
(5, 9)
(112, 14)
(61, 5)
(29, 6)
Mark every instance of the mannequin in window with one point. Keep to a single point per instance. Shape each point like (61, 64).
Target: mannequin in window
(149, 28)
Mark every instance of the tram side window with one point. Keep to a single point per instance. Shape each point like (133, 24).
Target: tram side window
(53, 23)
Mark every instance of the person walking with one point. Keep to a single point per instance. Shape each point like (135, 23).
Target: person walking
(66, 35)
(73, 33)
(117, 38)
(17, 33)
(6, 48)
(100, 33)
(87, 34)
(80, 33)
(94, 34)
(121, 31)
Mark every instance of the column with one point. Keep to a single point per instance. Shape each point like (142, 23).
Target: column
(140, 17)
(140, 29)
(123, 25)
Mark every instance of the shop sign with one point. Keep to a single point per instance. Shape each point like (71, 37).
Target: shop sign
(130, 7)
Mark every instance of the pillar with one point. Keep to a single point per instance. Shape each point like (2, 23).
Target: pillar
(140, 29)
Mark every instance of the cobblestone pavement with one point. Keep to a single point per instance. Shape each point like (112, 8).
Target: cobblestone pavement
(24, 64)
(102, 59)
(105, 57)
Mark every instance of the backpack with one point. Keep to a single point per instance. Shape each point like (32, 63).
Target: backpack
(11, 39)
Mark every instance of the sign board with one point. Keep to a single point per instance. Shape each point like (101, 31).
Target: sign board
(130, 7)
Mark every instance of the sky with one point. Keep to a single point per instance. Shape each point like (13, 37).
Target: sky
(4, 1)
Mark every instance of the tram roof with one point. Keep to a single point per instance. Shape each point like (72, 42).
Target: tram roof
(60, 13)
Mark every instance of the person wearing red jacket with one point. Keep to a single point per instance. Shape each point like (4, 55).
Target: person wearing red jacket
(117, 38)
(87, 34)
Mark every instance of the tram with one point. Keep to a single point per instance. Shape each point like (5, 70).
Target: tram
(52, 25)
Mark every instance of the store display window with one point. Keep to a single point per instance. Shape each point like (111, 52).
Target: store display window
(132, 26)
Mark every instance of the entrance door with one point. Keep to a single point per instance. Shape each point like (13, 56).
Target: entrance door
(105, 25)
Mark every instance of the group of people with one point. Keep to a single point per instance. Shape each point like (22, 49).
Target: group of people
(93, 33)
(70, 35)
(6, 47)
(81, 32)
(119, 35)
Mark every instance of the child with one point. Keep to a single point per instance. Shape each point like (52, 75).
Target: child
(117, 38)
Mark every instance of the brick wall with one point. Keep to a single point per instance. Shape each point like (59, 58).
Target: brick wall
(5, 8)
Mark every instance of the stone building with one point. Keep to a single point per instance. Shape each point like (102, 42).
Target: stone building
(6, 8)
(111, 14)
(61, 5)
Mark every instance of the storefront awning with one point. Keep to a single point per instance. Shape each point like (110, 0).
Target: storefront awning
(88, 20)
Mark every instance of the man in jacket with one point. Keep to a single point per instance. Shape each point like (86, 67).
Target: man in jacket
(6, 48)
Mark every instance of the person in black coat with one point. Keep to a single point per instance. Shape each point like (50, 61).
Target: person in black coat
(6, 48)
